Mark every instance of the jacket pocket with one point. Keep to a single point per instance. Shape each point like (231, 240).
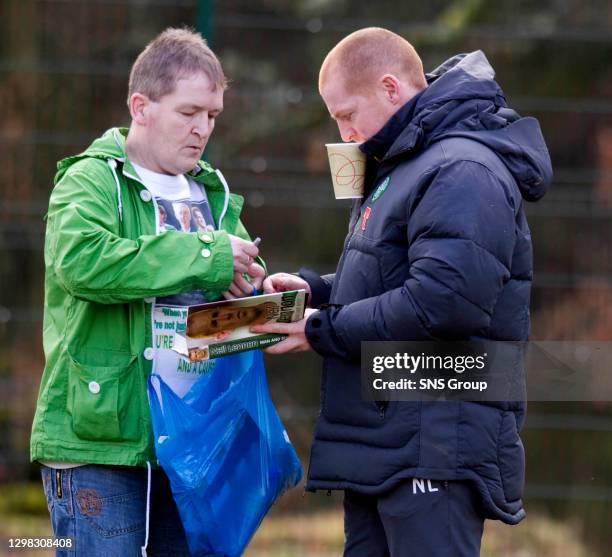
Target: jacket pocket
(342, 401)
(105, 401)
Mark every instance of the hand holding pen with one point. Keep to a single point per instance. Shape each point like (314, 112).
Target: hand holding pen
(240, 286)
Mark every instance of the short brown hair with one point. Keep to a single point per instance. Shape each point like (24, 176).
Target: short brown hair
(173, 54)
(362, 54)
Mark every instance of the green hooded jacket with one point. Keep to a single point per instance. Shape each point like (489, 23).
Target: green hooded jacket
(105, 264)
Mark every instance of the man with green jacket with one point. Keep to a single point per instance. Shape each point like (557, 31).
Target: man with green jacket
(123, 257)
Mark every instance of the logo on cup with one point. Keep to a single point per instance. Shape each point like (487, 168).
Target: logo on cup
(347, 165)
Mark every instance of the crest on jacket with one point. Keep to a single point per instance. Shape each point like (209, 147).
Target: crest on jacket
(381, 188)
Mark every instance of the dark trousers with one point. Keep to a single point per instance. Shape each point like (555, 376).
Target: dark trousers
(418, 518)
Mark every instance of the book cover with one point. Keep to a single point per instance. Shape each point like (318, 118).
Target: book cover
(222, 328)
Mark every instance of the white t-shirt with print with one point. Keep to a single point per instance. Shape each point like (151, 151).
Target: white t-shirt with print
(182, 206)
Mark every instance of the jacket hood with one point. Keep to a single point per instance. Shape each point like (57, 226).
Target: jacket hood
(464, 100)
(111, 145)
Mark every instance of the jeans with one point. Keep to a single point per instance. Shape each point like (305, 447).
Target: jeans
(418, 518)
(103, 509)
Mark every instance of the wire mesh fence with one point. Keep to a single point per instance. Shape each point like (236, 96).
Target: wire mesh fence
(63, 81)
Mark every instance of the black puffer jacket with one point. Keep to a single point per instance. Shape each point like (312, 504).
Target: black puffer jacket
(439, 248)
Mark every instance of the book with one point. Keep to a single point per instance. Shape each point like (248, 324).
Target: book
(221, 328)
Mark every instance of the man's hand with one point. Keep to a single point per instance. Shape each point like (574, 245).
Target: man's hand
(241, 287)
(244, 252)
(295, 342)
(281, 282)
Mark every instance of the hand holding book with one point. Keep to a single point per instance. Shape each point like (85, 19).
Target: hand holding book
(296, 340)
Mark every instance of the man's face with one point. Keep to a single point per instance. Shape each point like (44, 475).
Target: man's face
(359, 115)
(199, 218)
(185, 215)
(234, 317)
(206, 323)
(179, 124)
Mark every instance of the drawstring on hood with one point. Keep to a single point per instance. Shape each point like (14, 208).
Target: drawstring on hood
(113, 166)
(227, 195)
(143, 549)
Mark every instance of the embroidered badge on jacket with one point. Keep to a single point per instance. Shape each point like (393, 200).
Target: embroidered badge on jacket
(381, 189)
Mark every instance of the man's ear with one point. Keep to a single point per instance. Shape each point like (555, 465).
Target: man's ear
(138, 105)
(391, 87)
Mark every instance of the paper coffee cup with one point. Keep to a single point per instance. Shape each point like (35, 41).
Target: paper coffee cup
(347, 164)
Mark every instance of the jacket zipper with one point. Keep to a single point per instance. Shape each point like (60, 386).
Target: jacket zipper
(382, 408)
(345, 247)
(58, 483)
(307, 472)
(352, 232)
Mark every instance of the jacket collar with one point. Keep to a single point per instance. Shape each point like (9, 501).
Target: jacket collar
(112, 146)
(202, 173)
(383, 143)
(219, 196)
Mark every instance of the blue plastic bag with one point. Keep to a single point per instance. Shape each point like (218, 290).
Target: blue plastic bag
(225, 451)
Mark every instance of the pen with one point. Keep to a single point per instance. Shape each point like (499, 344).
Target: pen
(256, 242)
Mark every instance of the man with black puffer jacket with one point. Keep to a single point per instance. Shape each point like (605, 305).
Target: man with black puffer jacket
(438, 248)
